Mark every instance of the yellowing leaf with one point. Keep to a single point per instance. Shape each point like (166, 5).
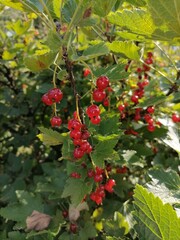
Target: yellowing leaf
(13, 4)
(8, 55)
(127, 48)
(50, 137)
(57, 7)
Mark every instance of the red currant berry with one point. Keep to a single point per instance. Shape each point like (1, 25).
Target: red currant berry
(46, 100)
(137, 117)
(149, 61)
(96, 120)
(65, 213)
(90, 173)
(98, 178)
(102, 82)
(99, 95)
(121, 107)
(55, 95)
(93, 111)
(147, 117)
(151, 128)
(145, 83)
(139, 70)
(56, 121)
(74, 124)
(135, 98)
(99, 170)
(85, 135)
(86, 72)
(75, 175)
(109, 185)
(150, 109)
(150, 54)
(78, 153)
(175, 118)
(73, 228)
(75, 134)
(106, 102)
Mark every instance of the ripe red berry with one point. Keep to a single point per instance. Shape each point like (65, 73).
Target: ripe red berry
(96, 120)
(56, 121)
(74, 124)
(139, 70)
(46, 100)
(99, 95)
(75, 134)
(109, 185)
(86, 72)
(75, 175)
(85, 135)
(121, 107)
(78, 153)
(175, 118)
(98, 178)
(65, 213)
(150, 109)
(93, 111)
(150, 54)
(73, 227)
(106, 102)
(102, 82)
(55, 95)
(135, 98)
(90, 173)
(149, 61)
(151, 128)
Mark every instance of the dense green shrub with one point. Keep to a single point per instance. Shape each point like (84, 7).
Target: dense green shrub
(70, 172)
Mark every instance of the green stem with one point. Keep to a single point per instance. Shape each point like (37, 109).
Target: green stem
(162, 74)
(49, 15)
(167, 56)
(38, 14)
(72, 21)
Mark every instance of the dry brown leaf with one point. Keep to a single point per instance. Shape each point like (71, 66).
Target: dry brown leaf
(37, 221)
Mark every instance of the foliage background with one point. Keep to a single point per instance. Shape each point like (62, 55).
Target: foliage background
(35, 171)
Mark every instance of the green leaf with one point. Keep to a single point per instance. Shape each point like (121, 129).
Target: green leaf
(92, 52)
(117, 227)
(115, 72)
(137, 21)
(166, 13)
(152, 101)
(38, 63)
(19, 211)
(50, 137)
(19, 27)
(165, 185)
(76, 189)
(109, 124)
(102, 8)
(53, 41)
(127, 48)
(172, 139)
(56, 7)
(13, 4)
(104, 149)
(154, 219)
(88, 231)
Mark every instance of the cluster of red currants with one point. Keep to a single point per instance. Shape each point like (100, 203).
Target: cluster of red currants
(79, 134)
(99, 93)
(93, 113)
(53, 96)
(139, 92)
(99, 194)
